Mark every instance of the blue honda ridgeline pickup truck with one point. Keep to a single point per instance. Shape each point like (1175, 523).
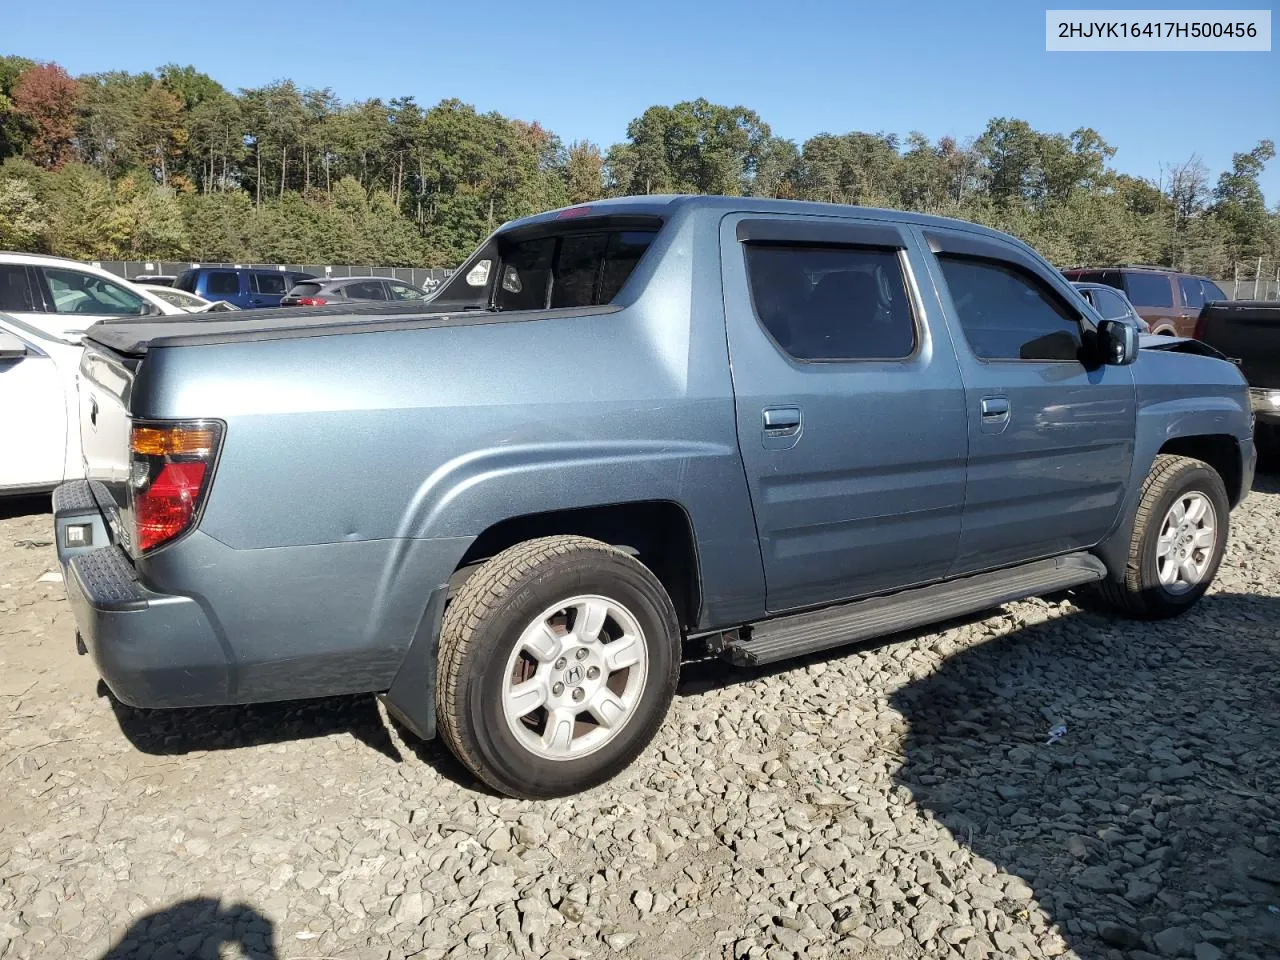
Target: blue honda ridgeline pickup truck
(776, 426)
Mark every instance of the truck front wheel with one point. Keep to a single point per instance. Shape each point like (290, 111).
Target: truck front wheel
(1179, 536)
(558, 660)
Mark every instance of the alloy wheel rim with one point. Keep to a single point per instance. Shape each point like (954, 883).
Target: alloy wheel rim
(575, 677)
(1188, 539)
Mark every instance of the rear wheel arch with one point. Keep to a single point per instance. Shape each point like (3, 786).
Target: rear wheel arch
(659, 533)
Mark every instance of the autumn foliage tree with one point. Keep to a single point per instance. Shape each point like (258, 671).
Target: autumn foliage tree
(47, 97)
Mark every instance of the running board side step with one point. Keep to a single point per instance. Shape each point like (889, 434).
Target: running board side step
(801, 633)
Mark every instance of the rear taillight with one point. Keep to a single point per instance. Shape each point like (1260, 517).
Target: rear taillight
(312, 301)
(171, 464)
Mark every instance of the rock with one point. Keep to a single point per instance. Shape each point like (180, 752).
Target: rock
(1172, 773)
(958, 933)
(1206, 951)
(1140, 893)
(888, 938)
(643, 900)
(309, 879)
(1118, 935)
(1098, 879)
(1266, 870)
(620, 940)
(1174, 942)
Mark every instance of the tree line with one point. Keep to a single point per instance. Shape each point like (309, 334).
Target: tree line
(171, 165)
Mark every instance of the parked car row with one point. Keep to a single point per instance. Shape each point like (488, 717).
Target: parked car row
(1169, 301)
(252, 288)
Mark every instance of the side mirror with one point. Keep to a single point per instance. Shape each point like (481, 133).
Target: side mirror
(1118, 341)
(11, 348)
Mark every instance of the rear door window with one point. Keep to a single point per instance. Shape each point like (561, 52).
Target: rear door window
(1192, 292)
(402, 291)
(223, 283)
(269, 283)
(1148, 289)
(16, 295)
(365, 290)
(832, 303)
(76, 292)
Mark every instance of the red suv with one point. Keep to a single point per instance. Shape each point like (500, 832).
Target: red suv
(1169, 301)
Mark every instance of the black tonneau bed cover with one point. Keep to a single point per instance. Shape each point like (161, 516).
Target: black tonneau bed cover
(134, 338)
(1247, 331)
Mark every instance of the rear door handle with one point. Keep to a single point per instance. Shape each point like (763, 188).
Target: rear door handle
(995, 408)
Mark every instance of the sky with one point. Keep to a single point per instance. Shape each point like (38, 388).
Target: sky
(585, 69)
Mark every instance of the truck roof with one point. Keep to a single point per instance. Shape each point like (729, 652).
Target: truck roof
(134, 337)
(666, 204)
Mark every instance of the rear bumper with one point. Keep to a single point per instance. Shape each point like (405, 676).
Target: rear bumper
(152, 649)
(199, 623)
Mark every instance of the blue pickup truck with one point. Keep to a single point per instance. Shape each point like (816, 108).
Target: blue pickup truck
(621, 431)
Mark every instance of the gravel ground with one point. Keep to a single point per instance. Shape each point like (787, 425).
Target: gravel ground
(890, 801)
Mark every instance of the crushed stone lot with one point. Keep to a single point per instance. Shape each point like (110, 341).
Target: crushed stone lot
(894, 800)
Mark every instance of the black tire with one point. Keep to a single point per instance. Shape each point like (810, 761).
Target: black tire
(1141, 594)
(480, 632)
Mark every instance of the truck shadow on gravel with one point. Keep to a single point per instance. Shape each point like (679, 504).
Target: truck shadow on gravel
(190, 730)
(1152, 826)
(199, 927)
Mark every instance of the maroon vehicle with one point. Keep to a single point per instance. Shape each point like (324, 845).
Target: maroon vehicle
(1169, 301)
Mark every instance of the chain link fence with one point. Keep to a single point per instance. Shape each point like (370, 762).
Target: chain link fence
(428, 278)
(1255, 279)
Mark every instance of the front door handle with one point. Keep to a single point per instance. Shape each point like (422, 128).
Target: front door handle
(781, 428)
(781, 421)
(995, 408)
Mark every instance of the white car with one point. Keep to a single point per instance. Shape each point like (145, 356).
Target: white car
(66, 296)
(184, 300)
(46, 303)
(39, 410)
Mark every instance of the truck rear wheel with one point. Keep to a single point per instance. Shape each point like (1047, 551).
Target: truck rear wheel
(1179, 537)
(558, 660)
